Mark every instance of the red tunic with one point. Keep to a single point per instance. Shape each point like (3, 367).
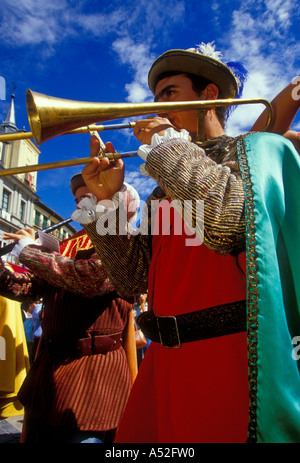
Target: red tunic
(199, 392)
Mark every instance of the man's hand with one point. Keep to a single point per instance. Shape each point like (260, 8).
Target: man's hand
(25, 233)
(102, 177)
(145, 128)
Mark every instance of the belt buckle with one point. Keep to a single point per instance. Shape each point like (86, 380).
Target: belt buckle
(176, 346)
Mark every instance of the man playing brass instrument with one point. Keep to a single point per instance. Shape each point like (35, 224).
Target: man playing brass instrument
(224, 309)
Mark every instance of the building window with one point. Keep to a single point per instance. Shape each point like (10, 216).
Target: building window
(44, 222)
(22, 210)
(37, 218)
(5, 200)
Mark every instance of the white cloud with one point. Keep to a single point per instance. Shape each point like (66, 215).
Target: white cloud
(136, 92)
(259, 85)
(32, 22)
(133, 28)
(134, 44)
(138, 58)
(29, 22)
(36, 21)
(260, 37)
(143, 185)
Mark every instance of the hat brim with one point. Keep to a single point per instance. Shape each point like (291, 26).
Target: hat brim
(76, 182)
(194, 63)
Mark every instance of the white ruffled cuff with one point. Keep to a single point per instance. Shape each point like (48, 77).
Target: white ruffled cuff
(20, 245)
(156, 140)
(89, 210)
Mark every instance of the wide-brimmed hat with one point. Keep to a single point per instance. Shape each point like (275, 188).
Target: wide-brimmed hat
(76, 182)
(196, 61)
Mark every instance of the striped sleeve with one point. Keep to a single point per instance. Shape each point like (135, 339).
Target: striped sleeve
(126, 257)
(86, 277)
(184, 172)
(21, 287)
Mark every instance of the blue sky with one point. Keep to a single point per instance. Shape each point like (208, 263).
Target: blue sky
(90, 50)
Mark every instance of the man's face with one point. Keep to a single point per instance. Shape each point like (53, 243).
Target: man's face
(178, 88)
(80, 193)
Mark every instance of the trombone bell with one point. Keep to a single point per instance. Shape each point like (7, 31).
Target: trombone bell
(50, 116)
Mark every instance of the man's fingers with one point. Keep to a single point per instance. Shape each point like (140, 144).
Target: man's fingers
(95, 167)
(30, 232)
(91, 168)
(118, 163)
(94, 146)
(12, 236)
(109, 147)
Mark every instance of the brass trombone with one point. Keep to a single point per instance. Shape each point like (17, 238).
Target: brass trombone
(49, 117)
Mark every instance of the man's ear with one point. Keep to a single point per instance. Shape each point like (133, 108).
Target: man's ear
(211, 92)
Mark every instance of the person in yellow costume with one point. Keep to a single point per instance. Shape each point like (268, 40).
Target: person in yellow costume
(14, 359)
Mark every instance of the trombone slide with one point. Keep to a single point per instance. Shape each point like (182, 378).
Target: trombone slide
(6, 137)
(66, 163)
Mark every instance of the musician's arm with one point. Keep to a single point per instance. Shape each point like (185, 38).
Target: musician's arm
(86, 277)
(183, 172)
(126, 257)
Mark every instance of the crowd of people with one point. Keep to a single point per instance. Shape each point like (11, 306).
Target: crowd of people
(222, 295)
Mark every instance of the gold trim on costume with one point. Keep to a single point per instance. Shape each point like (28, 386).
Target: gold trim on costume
(252, 291)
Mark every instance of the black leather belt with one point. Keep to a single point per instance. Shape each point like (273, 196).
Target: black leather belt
(194, 326)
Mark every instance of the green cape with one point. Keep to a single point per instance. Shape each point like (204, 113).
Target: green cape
(271, 173)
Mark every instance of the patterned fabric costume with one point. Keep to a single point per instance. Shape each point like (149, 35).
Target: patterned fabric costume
(63, 389)
(201, 391)
(79, 242)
